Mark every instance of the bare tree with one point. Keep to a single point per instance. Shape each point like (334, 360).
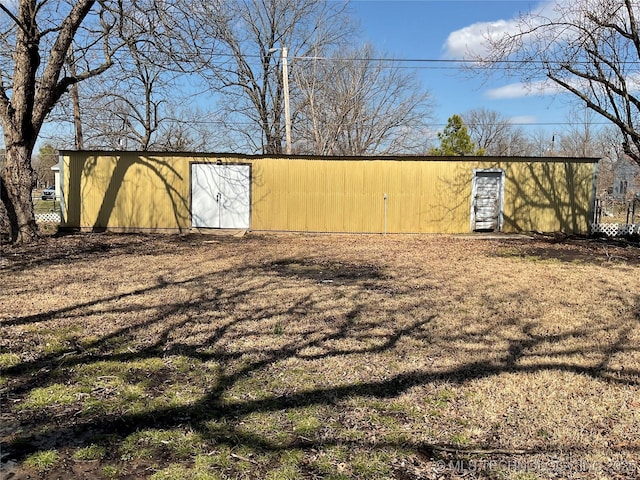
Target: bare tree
(35, 38)
(247, 69)
(494, 133)
(590, 48)
(541, 143)
(134, 105)
(127, 112)
(581, 136)
(353, 104)
(183, 129)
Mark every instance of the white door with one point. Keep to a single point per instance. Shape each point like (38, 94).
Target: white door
(220, 196)
(486, 205)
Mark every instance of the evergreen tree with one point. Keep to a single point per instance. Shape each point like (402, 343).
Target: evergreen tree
(455, 140)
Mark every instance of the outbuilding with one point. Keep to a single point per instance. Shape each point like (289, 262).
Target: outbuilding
(151, 191)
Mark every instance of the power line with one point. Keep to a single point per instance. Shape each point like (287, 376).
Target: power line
(407, 59)
(470, 124)
(445, 63)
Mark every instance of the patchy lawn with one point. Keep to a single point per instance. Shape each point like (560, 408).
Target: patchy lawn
(319, 356)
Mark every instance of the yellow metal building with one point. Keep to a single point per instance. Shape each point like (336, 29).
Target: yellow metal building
(145, 191)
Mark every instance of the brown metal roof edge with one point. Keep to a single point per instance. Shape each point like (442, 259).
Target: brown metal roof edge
(414, 158)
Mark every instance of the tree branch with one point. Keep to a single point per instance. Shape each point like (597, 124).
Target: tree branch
(18, 23)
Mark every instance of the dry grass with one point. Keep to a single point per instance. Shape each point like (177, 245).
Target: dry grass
(301, 356)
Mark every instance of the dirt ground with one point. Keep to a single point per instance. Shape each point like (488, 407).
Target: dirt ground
(319, 356)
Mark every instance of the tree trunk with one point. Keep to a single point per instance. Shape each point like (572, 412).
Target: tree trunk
(17, 184)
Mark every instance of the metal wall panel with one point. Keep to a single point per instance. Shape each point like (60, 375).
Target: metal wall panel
(152, 191)
(126, 190)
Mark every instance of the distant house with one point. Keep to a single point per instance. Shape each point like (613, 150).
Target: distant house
(56, 179)
(155, 191)
(626, 178)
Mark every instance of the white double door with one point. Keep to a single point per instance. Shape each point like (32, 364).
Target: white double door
(220, 196)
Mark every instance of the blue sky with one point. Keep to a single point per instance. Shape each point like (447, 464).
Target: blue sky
(442, 29)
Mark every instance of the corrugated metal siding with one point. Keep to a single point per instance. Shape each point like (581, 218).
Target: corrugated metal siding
(548, 196)
(126, 191)
(422, 196)
(134, 190)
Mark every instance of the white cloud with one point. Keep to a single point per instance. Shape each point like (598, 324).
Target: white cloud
(519, 90)
(513, 90)
(470, 41)
(633, 82)
(523, 120)
(542, 88)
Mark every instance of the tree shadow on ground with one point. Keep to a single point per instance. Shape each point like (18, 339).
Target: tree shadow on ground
(578, 249)
(257, 320)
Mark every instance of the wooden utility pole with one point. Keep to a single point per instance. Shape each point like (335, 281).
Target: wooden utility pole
(287, 112)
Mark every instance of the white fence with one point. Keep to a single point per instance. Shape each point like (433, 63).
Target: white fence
(617, 210)
(50, 217)
(616, 229)
(46, 211)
